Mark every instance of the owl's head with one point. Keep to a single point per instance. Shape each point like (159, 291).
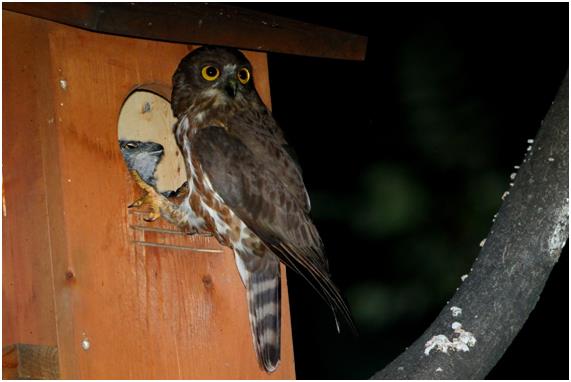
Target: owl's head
(211, 72)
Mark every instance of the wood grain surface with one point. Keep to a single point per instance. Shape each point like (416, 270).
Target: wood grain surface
(28, 314)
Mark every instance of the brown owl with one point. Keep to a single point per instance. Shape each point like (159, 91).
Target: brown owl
(244, 188)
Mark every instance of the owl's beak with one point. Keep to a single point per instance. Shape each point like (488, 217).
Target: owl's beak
(231, 87)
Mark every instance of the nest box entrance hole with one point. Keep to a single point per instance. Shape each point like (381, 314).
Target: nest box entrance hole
(147, 142)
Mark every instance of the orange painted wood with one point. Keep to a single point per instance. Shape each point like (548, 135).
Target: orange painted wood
(145, 312)
(28, 313)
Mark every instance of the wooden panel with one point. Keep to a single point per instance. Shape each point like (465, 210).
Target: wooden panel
(124, 310)
(22, 361)
(27, 288)
(213, 24)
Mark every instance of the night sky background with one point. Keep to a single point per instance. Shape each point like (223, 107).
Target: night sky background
(405, 157)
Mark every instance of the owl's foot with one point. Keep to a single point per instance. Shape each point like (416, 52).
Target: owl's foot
(152, 198)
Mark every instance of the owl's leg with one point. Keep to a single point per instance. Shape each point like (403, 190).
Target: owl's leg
(178, 197)
(171, 208)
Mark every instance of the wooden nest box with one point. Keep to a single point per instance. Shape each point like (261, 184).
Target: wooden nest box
(89, 290)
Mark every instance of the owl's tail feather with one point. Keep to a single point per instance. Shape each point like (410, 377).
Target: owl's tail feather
(316, 275)
(261, 276)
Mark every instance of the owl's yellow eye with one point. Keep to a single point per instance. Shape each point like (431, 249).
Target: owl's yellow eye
(244, 75)
(210, 73)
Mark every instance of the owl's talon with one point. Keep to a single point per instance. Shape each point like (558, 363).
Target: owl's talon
(136, 203)
(152, 198)
(152, 217)
(141, 183)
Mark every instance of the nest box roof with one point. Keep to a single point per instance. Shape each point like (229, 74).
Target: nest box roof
(199, 23)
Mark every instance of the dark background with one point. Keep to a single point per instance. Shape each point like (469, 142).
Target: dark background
(405, 156)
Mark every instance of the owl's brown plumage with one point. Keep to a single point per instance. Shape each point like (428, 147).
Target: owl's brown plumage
(245, 188)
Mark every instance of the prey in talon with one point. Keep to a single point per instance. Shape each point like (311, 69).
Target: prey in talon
(142, 159)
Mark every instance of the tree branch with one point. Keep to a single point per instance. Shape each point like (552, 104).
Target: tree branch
(510, 272)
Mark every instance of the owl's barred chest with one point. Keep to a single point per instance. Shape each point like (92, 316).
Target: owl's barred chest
(206, 209)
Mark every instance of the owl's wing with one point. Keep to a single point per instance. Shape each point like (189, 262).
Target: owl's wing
(267, 206)
(265, 139)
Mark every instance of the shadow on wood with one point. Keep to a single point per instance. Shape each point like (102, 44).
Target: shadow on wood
(23, 361)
